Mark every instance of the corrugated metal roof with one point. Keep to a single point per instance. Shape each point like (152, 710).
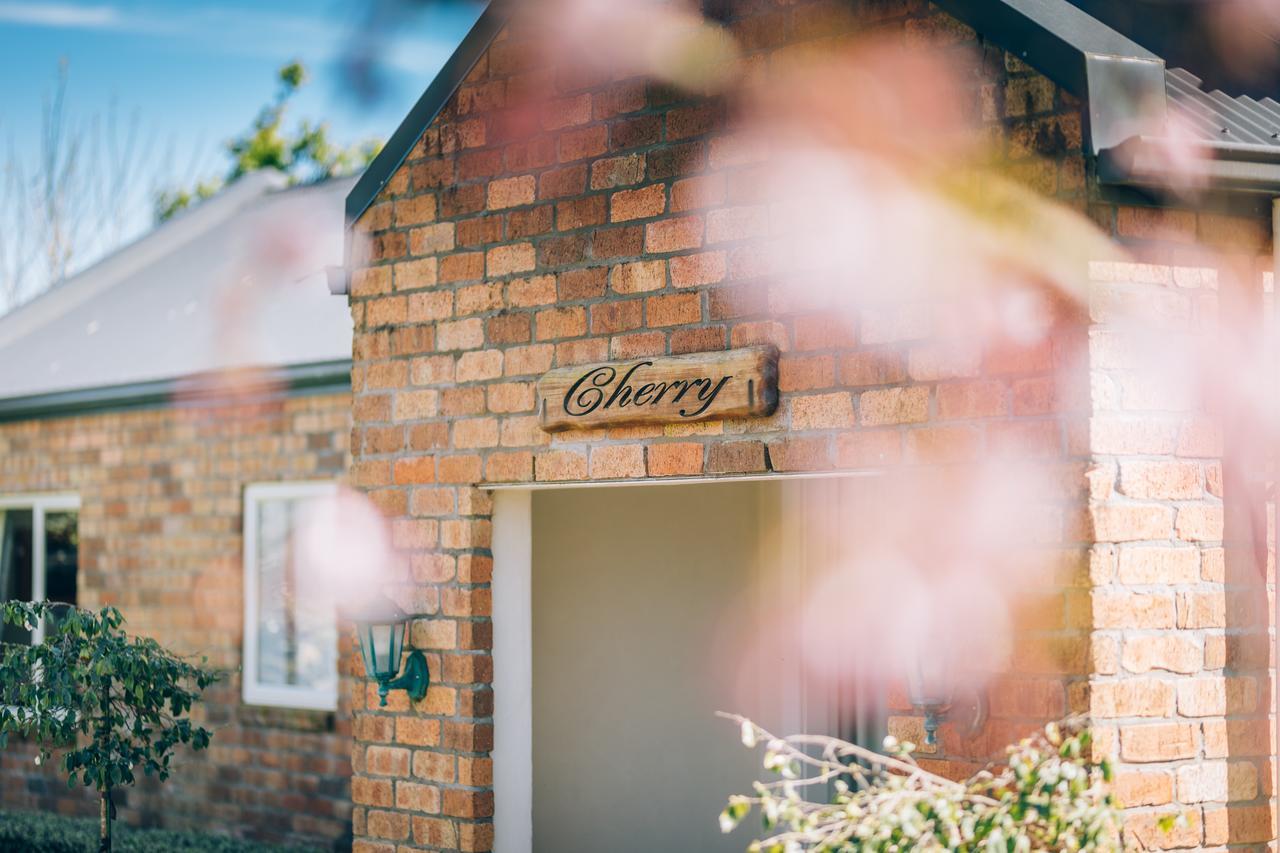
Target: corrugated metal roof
(1216, 117)
(237, 281)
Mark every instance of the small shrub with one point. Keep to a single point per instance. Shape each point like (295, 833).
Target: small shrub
(114, 706)
(1050, 796)
(35, 832)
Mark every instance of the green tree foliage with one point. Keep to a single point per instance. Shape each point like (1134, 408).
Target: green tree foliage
(112, 705)
(1049, 796)
(306, 154)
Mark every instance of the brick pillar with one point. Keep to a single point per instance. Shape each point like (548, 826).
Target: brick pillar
(1179, 685)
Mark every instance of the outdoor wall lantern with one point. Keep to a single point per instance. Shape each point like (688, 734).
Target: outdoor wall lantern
(931, 690)
(382, 630)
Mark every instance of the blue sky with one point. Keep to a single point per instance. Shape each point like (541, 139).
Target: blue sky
(195, 72)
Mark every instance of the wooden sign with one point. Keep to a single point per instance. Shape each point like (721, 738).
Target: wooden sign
(662, 389)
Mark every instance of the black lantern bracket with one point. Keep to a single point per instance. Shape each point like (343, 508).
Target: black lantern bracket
(415, 679)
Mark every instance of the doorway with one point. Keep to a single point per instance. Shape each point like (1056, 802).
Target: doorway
(624, 619)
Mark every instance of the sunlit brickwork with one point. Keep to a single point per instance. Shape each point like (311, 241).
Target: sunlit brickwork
(161, 494)
(621, 221)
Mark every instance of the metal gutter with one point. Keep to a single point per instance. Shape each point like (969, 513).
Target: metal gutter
(206, 389)
(425, 111)
(1143, 162)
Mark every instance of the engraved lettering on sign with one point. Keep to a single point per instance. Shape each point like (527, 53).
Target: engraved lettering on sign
(674, 388)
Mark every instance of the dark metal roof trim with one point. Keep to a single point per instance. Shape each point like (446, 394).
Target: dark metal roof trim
(1121, 82)
(200, 390)
(1129, 96)
(427, 108)
(1052, 35)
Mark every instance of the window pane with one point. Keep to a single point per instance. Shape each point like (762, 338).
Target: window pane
(61, 556)
(297, 638)
(15, 565)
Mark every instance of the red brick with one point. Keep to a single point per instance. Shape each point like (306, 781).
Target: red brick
(800, 454)
(414, 275)
(610, 317)
(735, 457)
(823, 332)
(415, 797)
(509, 467)
(434, 832)
(614, 462)
(822, 411)
(458, 469)
(521, 361)
(619, 242)
(1158, 742)
(561, 183)
(1199, 523)
(797, 373)
(509, 329)
(580, 212)
(511, 397)
(505, 260)
(638, 204)
(478, 298)
(416, 731)
(432, 239)
(673, 310)
(555, 323)
(696, 120)
(893, 406)
(638, 345)
(465, 266)
(1160, 480)
(868, 448)
(386, 760)
(697, 339)
(512, 192)
(871, 368)
(670, 460)
(526, 292)
(617, 172)
(393, 825)
(634, 132)
(529, 222)
(563, 250)
(565, 112)
(978, 399)
(475, 432)
(696, 270)
(638, 277)
(737, 223)
(371, 281)
(560, 465)
(583, 143)
(936, 445)
(673, 235)
(694, 193)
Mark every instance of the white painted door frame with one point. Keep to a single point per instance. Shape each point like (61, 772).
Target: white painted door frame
(513, 642)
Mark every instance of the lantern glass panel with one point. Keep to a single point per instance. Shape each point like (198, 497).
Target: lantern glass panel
(929, 681)
(382, 644)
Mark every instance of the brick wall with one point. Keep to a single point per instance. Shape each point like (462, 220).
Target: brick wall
(161, 496)
(1181, 577)
(622, 225)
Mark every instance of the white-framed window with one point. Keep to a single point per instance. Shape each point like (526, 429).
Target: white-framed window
(290, 627)
(39, 554)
